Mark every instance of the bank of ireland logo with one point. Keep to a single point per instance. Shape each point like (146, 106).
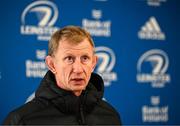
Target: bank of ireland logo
(152, 67)
(105, 65)
(38, 18)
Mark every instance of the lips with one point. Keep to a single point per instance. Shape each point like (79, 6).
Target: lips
(77, 80)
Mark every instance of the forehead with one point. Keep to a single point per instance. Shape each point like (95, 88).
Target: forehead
(69, 47)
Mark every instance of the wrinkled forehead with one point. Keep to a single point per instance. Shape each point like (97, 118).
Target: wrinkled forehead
(76, 39)
(67, 46)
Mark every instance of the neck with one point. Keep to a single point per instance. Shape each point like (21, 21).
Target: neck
(77, 93)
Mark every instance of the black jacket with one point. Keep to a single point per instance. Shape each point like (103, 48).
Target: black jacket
(53, 105)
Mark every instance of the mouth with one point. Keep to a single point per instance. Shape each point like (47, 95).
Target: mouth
(77, 81)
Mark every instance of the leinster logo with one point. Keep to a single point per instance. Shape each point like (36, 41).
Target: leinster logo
(152, 67)
(38, 19)
(105, 65)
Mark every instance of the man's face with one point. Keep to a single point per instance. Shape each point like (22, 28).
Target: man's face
(73, 65)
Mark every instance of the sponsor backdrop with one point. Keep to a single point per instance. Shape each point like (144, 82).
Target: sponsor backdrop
(137, 42)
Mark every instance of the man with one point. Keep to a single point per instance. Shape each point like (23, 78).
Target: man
(69, 94)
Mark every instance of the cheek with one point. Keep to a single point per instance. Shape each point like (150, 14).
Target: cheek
(61, 71)
(66, 70)
(90, 67)
(88, 70)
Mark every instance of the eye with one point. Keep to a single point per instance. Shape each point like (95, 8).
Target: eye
(69, 59)
(85, 59)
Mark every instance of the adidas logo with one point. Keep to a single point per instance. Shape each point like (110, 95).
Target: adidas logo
(151, 30)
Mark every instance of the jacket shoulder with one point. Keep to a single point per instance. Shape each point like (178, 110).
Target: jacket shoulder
(110, 110)
(108, 107)
(16, 116)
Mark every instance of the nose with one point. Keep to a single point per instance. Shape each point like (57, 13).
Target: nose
(77, 67)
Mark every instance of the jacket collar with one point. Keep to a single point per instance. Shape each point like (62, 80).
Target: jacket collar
(66, 101)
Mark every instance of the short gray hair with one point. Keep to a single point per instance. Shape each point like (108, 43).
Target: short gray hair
(73, 34)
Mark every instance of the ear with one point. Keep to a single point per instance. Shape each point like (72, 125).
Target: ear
(95, 59)
(50, 64)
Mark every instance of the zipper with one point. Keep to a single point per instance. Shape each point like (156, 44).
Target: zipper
(82, 115)
(81, 110)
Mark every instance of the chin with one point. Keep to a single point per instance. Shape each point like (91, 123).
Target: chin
(79, 88)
